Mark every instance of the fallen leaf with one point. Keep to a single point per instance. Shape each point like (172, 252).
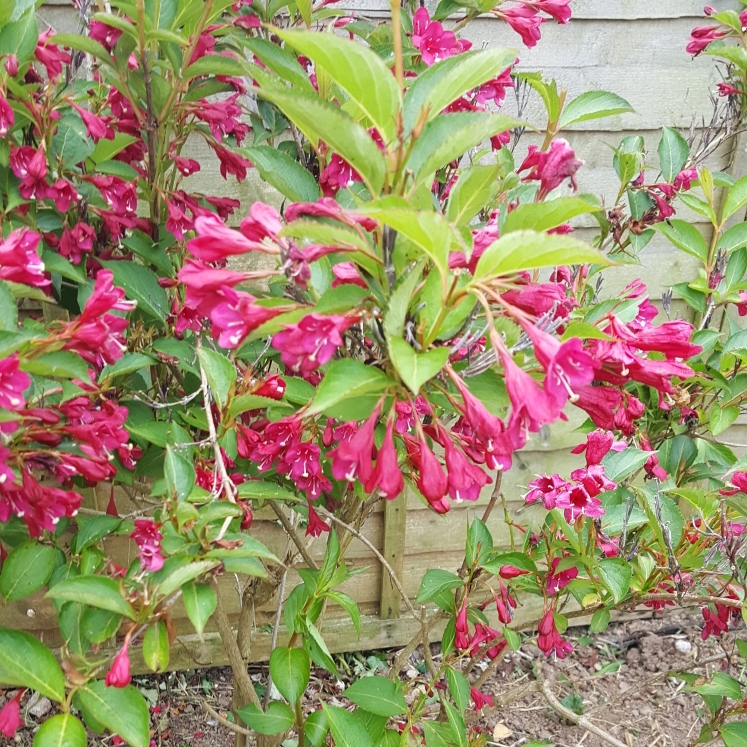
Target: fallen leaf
(501, 731)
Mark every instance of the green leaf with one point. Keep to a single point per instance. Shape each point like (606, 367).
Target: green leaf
(62, 364)
(289, 669)
(377, 695)
(399, 301)
(122, 710)
(616, 575)
(736, 199)
(20, 37)
(214, 64)
(140, 284)
(220, 372)
(531, 250)
(320, 120)
(100, 625)
(734, 734)
(722, 418)
(200, 603)
(280, 61)
(156, 647)
(733, 238)
(436, 581)
(437, 735)
(593, 105)
(684, 236)
(450, 136)
(84, 44)
(317, 648)
(316, 728)
(25, 662)
(265, 491)
(278, 718)
(447, 80)
(415, 369)
(346, 729)
(722, 686)
(673, 152)
(359, 71)
(93, 529)
(621, 464)
(71, 144)
(459, 688)
(62, 730)
(127, 364)
(250, 402)
(105, 150)
(349, 605)
(517, 559)
(26, 570)
(599, 621)
(54, 262)
(428, 231)
(473, 190)
(346, 379)
(279, 170)
(456, 722)
(96, 591)
(542, 216)
(8, 309)
(184, 572)
(179, 474)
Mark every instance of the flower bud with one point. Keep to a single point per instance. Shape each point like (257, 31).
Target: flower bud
(11, 65)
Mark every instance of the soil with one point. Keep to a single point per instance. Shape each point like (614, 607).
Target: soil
(618, 679)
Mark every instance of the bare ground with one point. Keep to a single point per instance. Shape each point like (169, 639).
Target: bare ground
(618, 679)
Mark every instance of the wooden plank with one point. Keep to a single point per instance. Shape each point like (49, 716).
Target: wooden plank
(395, 534)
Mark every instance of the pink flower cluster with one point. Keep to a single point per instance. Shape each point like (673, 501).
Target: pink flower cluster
(552, 167)
(702, 36)
(148, 538)
(548, 638)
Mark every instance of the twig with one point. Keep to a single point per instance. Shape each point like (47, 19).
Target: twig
(502, 700)
(544, 688)
(233, 727)
(491, 668)
(381, 558)
(293, 534)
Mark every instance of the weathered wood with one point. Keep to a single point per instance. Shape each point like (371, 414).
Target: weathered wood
(395, 534)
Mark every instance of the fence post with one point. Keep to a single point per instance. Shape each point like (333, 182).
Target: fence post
(395, 519)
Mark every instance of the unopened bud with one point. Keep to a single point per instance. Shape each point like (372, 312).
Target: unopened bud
(11, 65)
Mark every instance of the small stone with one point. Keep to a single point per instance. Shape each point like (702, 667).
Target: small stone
(597, 667)
(41, 708)
(683, 645)
(501, 731)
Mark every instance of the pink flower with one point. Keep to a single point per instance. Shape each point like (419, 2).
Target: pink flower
(63, 193)
(316, 526)
(549, 639)
(238, 316)
(495, 89)
(231, 162)
(338, 174)
(431, 480)
(577, 502)
(13, 383)
(702, 36)
(97, 127)
(593, 479)
(273, 387)
(10, 716)
(119, 674)
(566, 364)
(19, 261)
(547, 489)
(430, 38)
(480, 700)
(465, 480)
(386, 476)
(222, 117)
(148, 538)
(328, 208)
(683, 180)
(215, 241)
(105, 35)
(461, 628)
(30, 166)
(352, 458)
(560, 10)
(11, 65)
(262, 223)
(531, 407)
(551, 168)
(7, 117)
(312, 342)
(525, 21)
(51, 56)
(301, 463)
(739, 481)
(598, 444)
(77, 241)
(557, 580)
(346, 273)
(599, 403)
(186, 166)
(119, 195)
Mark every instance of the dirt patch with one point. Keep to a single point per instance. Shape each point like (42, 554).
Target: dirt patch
(618, 679)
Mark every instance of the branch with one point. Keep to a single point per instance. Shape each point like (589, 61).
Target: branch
(544, 688)
(293, 534)
(381, 558)
(233, 727)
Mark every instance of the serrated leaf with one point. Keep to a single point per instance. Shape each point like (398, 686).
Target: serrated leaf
(673, 152)
(734, 734)
(621, 464)
(377, 695)
(280, 171)
(96, 591)
(200, 603)
(278, 718)
(593, 105)
(616, 575)
(289, 669)
(346, 729)
(26, 570)
(416, 369)
(531, 250)
(684, 236)
(473, 190)
(542, 216)
(436, 581)
(25, 662)
(140, 284)
(220, 372)
(736, 199)
(122, 710)
(346, 379)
